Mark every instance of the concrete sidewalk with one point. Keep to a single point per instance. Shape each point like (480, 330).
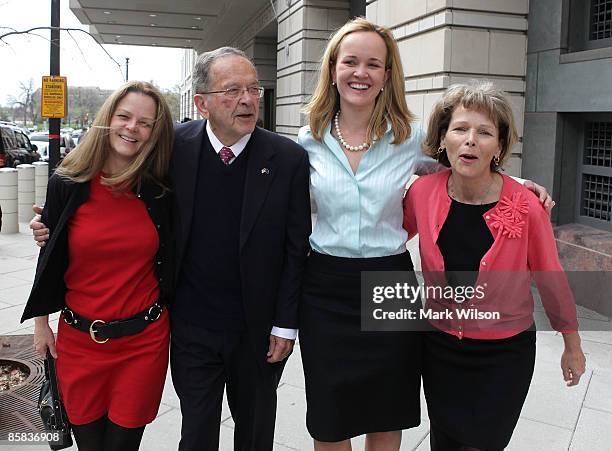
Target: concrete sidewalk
(554, 417)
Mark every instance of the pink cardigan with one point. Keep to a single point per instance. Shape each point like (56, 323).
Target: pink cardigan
(523, 247)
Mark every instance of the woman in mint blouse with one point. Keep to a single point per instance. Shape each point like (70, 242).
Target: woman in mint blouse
(363, 146)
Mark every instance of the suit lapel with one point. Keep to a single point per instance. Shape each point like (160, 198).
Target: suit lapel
(259, 175)
(186, 162)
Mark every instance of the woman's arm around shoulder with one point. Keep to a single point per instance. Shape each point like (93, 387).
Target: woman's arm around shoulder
(410, 204)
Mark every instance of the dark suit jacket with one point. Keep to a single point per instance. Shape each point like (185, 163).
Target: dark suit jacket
(274, 228)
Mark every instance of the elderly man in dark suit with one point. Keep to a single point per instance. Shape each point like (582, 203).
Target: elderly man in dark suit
(242, 224)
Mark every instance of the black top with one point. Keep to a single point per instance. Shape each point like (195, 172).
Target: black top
(464, 239)
(209, 292)
(63, 200)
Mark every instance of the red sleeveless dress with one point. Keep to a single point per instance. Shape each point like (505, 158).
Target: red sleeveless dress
(112, 245)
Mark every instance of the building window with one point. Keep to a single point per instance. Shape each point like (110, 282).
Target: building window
(596, 192)
(598, 145)
(596, 174)
(601, 19)
(590, 25)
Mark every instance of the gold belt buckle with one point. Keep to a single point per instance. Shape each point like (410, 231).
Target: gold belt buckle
(92, 332)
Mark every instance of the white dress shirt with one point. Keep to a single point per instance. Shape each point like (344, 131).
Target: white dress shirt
(236, 148)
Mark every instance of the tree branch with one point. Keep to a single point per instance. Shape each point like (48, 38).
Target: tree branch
(80, 51)
(29, 31)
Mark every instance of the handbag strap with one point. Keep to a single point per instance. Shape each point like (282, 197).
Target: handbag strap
(51, 375)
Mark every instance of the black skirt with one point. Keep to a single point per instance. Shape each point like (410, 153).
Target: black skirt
(475, 389)
(356, 381)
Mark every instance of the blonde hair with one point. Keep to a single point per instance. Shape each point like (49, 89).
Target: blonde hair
(152, 161)
(480, 96)
(390, 104)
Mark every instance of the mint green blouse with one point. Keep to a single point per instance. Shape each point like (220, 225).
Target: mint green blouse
(360, 215)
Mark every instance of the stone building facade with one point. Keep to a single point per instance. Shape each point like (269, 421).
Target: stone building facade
(553, 58)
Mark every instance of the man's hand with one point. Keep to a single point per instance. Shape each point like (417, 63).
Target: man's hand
(39, 230)
(542, 193)
(279, 349)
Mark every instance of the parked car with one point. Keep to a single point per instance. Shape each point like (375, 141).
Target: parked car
(69, 143)
(66, 143)
(12, 151)
(24, 143)
(42, 143)
(77, 135)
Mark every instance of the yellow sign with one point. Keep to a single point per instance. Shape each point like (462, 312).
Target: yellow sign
(53, 98)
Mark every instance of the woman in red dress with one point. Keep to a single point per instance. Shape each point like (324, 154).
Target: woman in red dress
(108, 267)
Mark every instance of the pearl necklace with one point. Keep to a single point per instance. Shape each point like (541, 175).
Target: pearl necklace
(362, 147)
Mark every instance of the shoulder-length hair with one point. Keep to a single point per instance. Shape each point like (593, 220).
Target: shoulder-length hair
(390, 104)
(479, 96)
(150, 164)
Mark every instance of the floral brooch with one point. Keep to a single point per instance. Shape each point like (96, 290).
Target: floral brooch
(508, 215)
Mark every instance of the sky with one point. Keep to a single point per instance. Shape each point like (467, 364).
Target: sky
(24, 56)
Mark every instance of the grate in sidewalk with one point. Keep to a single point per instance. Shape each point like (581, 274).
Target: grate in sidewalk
(18, 412)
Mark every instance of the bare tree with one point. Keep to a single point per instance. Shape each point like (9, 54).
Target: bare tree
(85, 101)
(5, 113)
(173, 98)
(36, 119)
(24, 99)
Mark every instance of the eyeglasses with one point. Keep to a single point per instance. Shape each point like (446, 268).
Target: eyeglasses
(234, 93)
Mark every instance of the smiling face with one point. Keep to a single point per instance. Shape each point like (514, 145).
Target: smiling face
(130, 128)
(230, 119)
(471, 142)
(360, 69)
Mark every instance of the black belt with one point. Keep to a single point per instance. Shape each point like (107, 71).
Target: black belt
(100, 331)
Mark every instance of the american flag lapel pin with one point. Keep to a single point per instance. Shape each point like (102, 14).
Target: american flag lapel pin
(265, 171)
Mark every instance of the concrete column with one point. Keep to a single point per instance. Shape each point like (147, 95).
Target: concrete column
(443, 42)
(8, 200)
(262, 51)
(25, 191)
(41, 177)
(304, 27)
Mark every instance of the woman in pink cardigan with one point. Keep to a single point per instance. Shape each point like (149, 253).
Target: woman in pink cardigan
(482, 233)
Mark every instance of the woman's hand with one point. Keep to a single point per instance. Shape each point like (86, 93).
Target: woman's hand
(573, 361)
(43, 337)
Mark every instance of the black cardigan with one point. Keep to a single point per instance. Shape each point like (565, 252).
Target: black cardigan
(63, 199)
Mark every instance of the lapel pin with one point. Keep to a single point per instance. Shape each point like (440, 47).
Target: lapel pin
(265, 171)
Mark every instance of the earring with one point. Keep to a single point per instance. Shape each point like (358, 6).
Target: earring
(333, 83)
(382, 89)
(440, 150)
(496, 160)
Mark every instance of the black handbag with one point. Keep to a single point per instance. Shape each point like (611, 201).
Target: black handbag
(52, 409)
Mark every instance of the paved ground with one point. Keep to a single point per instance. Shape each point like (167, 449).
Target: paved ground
(553, 418)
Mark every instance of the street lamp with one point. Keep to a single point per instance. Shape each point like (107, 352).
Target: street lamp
(127, 65)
